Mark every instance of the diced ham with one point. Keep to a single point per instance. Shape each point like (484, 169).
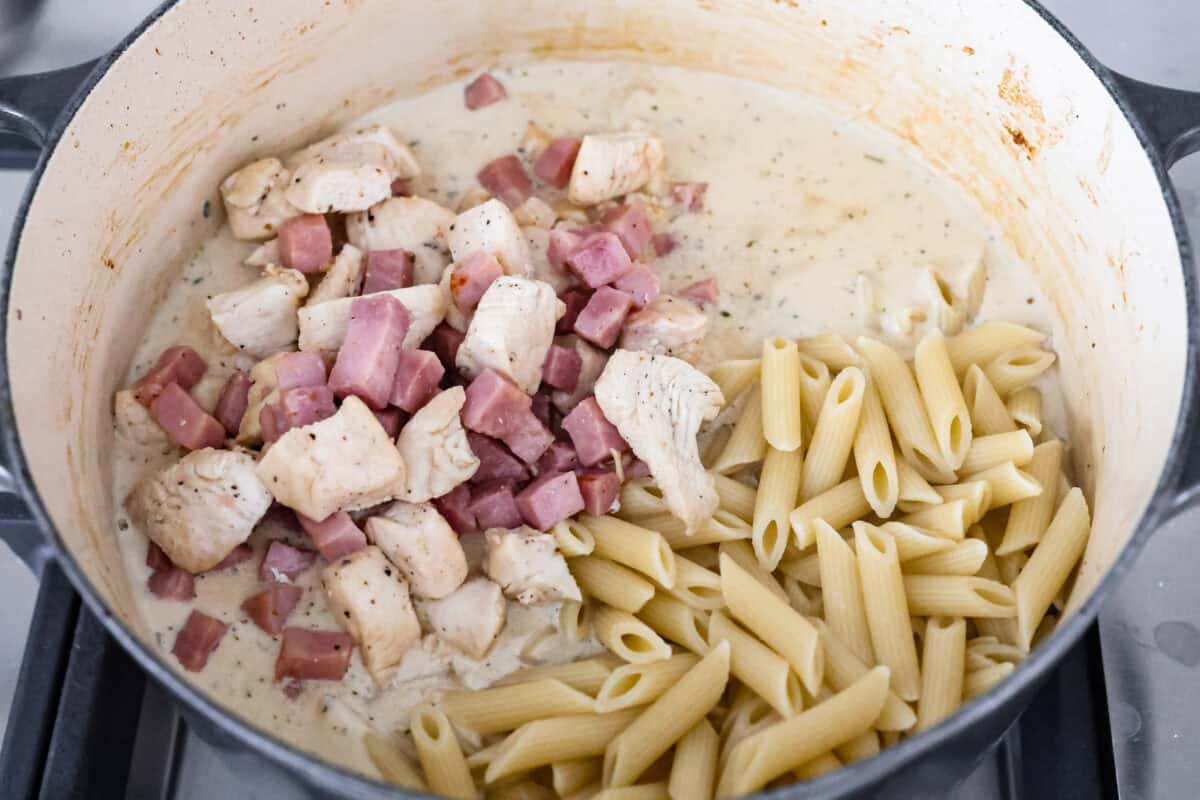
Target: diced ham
(703, 293)
(690, 196)
(366, 364)
(541, 408)
(483, 91)
(418, 374)
(550, 499)
(283, 559)
(561, 244)
(640, 283)
(561, 457)
(172, 583)
(186, 423)
(635, 469)
(302, 405)
(574, 300)
(455, 506)
(270, 608)
(555, 163)
(335, 536)
(600, 320)
(599, 259)
(179, 364)
(594, 437)
(561, 368)
(494, 506)
(496, 463)
(313, 655)
(294, 370)
(506, 178)
(492, 404)
(197, 639)
(663, 243)
(387, 270)
(231, 405)
(472, 277)
(391, 419)
(528, 437)
(445, 341)
(401, 188)
(599, 490)
(243, 552)
(305, 243)
(156, 559)
(631, 225)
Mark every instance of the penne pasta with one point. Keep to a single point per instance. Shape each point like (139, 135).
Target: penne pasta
(964, 558)
(833, 435)
(744, 556)
(781, 415)
(633, 546)
(874, 456)
(990, 451)
(979, 681)
(521, 790)
(819, 766)
(667, 719)
(814, 385)
(611, 583)
(674, 620)
(440, 754)
(989, 416)
(912, 542)
(1004, 630)
(550, 741)
(777, 490)
(479, 760)
(1029, 517)
(805, 569)
(976, 287)
(995, 651)
(887, 609)
(913, 488)
(587, 675)
(976, 493)
(393, 765)
(694, 767)
(642, 791)
(948, 519)
(1010, 566)
(568, 777)
(797, 598)
(1025, 408)
(573, 539)
(757, 666)
(735, 376)
(746, 444)
(833, 350)
(722, 526)
(706, 555)
(842, 591)
(958, 596)
(942, 659)
(843, 668)
(984, 342)
(627, 637)
(859, 748)
(505, 708)
(736, 497)
(1017, 368)
(718, 438)
(1008, 484)
(943, 399)
(696, 586)
(949, 313)
(641, 498)
(639, 684)
(575, 620)
(839, 506)
(1050, 565)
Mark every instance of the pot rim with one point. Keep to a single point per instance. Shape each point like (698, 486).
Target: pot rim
(317, 772)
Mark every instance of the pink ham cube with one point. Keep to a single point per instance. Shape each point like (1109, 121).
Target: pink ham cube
(562, 367)
(496, 463)
(366, 364)
(600, 490)
(305, 368)
(172, 583)
(528, 437)
(600, 320)
(483, 91)
(690, 196)
(156, 559)
(313, 655)
(497, 408)
(555, 163)
(270, 608)
(631, 225)
(179, 364)
(387, 270)
(663, 243)
(455, 507)
(560, 457)
(418, 373)
(391, 419)
(494, 506)
(703, 293)
(550, 499)
(305, 243)
(444, 341)
(575, 300)
(283, 559)
(186, 423)
(472, 277)
(197, 639)
(243, 552)
(335, 536)
(505, 178)
(599, 259)
(561, 243)
(231, 405)
(640, 283)
(302, 405)
(541, 408)
(594, 437)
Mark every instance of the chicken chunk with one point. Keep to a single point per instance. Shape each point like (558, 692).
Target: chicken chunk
(470, 618)
(512, 331)
(255, 200)
(260, 319)
(541, 269)
(528, 566)
(201, 507)
(135, 425)
(668, 326)
(435, 449)
(266, 253)
(263, 390)
(490, 227)
(592, 360)
(342, 463)
(370, 599)
(344, 278)
(658, 404)
(405, 223)
(422, 545)
(457, 317)
(348, 171)
(612, 164)
(323, 326)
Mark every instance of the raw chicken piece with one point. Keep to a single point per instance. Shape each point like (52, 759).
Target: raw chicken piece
(405, 223)
(260, 319)
(528, 566)
(435, 449)
(370, 600)
(424, 547)
(201, 507)
(323, 326)
(668, 326)
(255, 199)
(343, 463)
(348, 171)
(470, 618)
(512, 331)
(612, 164)
(592, 361)
(492, 228)
(658, 404)
(343, 279)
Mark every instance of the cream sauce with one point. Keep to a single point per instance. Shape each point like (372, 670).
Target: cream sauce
(806, 211)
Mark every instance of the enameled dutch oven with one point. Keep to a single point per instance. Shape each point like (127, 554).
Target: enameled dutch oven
(1067, 156)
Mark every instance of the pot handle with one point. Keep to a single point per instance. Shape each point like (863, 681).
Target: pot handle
(1171, 116)
(29, 106)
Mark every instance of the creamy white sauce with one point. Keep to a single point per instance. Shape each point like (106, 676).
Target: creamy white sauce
(800, 204)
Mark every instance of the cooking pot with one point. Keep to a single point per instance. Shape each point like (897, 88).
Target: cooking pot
(1069, 158)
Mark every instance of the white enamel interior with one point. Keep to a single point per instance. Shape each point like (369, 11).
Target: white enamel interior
(987, 92)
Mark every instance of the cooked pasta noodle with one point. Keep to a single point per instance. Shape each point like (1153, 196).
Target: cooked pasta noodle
(781, 414)
(830, 348)
(1048, 568)
(1025, 408)
(842, 592)
(887, 609)
(1016, 369)
(777, 489)
(440, 754)
(833, 435)
(988, 413)
(943, 399)
(628, 637)
(942, 670)
(694, 768)
(746, 444)
(874, 456)
(506, 708)
(1029, 517)
(984, 342)
(611, 583)
(677, 621)
(839, 506)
